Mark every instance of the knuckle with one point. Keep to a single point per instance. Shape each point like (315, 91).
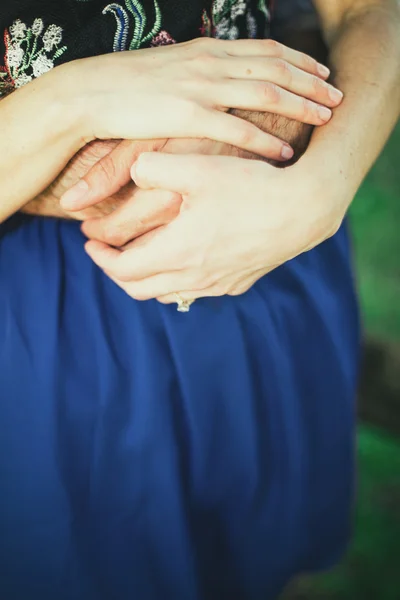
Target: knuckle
(283, 70)
(318, 86)
(273, 47)
(202, 42)
(270, 92)
(309, 64)
(111, 234)
(307, 110)
(107, 168)
(188, 111)
(244, 136)
(172, 202)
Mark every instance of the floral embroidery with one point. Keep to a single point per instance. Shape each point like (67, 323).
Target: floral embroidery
(231, 18)
(206, 28)
(162, 39)
(121, 35)
(32, 51)
(155, 36)
(29, 54)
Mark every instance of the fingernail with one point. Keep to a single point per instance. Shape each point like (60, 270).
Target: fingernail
(324, 113)
(323, 70)
(335, 95)
(74, 195)
(287, 152)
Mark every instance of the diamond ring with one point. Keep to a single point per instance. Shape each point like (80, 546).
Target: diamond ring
(183, 305)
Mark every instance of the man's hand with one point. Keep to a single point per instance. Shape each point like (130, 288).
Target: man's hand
(139, 215)
(47, 204)
(236, 224)
(112, 172)
(105, 167)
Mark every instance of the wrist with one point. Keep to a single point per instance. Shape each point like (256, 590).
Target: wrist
(69, 105)
(329, 177)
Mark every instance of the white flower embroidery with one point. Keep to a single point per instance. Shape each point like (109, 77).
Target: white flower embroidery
(251, 26)
(222, 29)
(218, 6)
(29, 53)
(15, 56)
(238, 9)
(52, 37)
(18, 30)
(22, 80)
(37, 27)
(41, 65)
(226, 15)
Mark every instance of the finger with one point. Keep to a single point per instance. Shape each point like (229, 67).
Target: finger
(162, 285)
(179, 173)
(102, 255)
(272, 48)
(268, 97)
(189, 296)
(229, 129)
(108, 175)
(288, 77)
(144, 211)
(141, 260)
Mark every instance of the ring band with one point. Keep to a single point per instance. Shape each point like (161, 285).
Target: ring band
(183, 305)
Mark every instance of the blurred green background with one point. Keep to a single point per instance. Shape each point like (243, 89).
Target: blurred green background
(371, 570)
(376, 226)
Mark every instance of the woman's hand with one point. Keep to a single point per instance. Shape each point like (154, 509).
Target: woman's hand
(112, 172)
(234, 226)
(184, 90)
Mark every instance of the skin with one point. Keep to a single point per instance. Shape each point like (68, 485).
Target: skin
(113, 171)
(126, 95)
(201, 252)
(105, 165)
(110, 181)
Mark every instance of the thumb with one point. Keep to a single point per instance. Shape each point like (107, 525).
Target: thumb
(180, 173)
(107, 176)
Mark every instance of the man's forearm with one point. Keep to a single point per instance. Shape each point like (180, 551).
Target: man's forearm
(365, 57)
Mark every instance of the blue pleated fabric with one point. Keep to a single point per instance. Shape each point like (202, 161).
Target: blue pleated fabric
(154, 455)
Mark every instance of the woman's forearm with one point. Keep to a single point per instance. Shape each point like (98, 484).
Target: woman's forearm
(365, 57)
(40, 132)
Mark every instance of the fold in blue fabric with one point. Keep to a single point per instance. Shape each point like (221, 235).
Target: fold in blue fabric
(154, 455)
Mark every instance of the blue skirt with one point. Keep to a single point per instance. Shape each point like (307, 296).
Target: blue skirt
(155, 455)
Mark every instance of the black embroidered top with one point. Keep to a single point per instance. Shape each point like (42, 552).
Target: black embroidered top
(40, 34)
